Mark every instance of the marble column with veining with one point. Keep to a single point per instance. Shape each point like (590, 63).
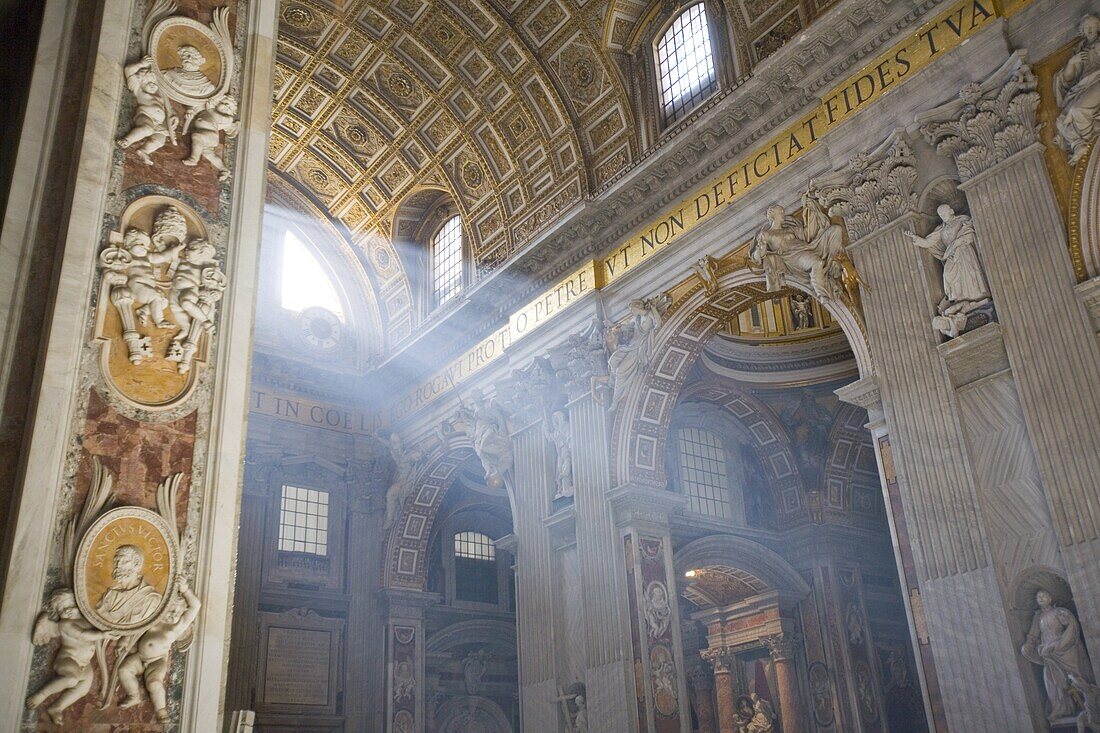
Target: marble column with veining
(608, 679)
(723, 690)
(786, 679)
(533, 484)
(963, 605)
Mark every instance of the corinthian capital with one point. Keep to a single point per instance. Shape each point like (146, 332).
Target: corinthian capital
(989, 121)
(721, 658)
(781, 646)
(873, 189)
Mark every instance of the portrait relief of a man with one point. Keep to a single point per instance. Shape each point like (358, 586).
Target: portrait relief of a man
(130, 599)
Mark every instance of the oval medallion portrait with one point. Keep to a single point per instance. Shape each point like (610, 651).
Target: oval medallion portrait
(192, 61)
(125, 569)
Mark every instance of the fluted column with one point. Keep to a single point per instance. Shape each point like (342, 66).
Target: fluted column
(947, 532)
(1023, 247)
(722, 660)
(606, 644)
(533, 486)
(363, 706)
(782, 650)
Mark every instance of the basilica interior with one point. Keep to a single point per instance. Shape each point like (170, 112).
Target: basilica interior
(550, 366)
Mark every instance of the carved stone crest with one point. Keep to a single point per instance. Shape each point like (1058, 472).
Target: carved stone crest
(160, 289)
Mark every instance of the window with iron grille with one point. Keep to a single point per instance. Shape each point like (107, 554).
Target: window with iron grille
(475, 568)
(704, 477)
(303, 521)
(447, 261)
(685, 63)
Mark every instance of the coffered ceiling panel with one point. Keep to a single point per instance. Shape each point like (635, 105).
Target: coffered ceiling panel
(515, 107)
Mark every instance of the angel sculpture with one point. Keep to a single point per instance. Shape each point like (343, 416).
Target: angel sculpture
(72, 666)
(807, 249)
(629, 359)
(149, 658)
(487, 426)
(405, 460)
(197, 286)
(576, 719)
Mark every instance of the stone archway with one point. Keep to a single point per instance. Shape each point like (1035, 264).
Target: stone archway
(641, 427)
(406, 544)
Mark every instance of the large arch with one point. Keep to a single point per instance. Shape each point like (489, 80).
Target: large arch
(641, 427)
(750, 557)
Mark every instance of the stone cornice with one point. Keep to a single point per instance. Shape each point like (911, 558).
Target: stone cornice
(781, 87)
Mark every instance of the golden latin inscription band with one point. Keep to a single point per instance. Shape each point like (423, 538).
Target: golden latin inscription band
(877, 79)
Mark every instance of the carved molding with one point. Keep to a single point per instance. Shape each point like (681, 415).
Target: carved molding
(989, 122)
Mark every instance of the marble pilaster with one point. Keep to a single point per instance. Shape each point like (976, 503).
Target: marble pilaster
(990, 132)
(946, 534)
(405, 655)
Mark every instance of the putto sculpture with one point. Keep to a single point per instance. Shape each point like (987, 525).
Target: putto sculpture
(122, 599)
(188, 64)
(163, 268)
(1077, 93)
(954, 243)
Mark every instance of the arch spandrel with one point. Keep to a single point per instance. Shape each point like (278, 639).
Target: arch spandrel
(641, 426)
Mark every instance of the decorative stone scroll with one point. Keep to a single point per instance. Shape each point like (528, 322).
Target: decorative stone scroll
(161, 275)
(122, 602)
(187, 63)
(989, 122)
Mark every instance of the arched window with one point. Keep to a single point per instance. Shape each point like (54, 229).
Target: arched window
(304, 281)
(685, 63)
(446, 259)
(704, 474)
(475, 568)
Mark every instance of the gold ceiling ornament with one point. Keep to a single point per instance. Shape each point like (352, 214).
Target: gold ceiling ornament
(507, 109)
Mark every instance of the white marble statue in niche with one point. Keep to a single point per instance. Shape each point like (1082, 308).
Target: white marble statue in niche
(806, 249)
(574, 708)
(1077, 93)
(557, 432)
(954, 243)
(633, 343)
(148, 662)
(1054, 642)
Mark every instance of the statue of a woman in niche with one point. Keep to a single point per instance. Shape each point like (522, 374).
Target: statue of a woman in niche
(1077, 93)
(954, 242)
(1054, 642)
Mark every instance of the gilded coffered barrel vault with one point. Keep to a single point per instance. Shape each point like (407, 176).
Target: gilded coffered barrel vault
(494, 366)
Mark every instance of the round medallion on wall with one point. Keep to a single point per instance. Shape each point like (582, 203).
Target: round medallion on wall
(320, 328)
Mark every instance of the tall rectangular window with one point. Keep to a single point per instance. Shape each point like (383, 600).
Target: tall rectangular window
(303, 521)
(704, 476)
(685, 63)
(475, 568)
(447, 261)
